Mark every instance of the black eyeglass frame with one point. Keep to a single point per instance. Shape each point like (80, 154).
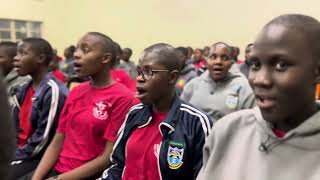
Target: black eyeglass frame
(148, 73)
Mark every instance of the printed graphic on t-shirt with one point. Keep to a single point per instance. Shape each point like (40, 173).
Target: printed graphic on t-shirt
(156, 149)
(100, 110)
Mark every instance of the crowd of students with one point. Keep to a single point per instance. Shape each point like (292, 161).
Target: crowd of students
(179, 114)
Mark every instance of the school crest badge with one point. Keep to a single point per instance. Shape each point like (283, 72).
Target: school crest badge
(232, 101)
(175, 155)
(100, 110)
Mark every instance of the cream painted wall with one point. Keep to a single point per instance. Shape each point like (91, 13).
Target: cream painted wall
(138, 24)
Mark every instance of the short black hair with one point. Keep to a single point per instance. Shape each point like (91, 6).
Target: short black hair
(230, 49)
(183, 50)
(117, 48)
(106, 40)
(69, 51)
(10, 48)
(108, 44)
(201, 51)
(166, 54)
(206, 48)
(128, 49)
(40, 46)
(308, 26)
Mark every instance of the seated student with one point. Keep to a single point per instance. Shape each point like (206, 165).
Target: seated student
(91, 117)
(8, 50)
(127, 65)
(206, 51)
(54, 68)
(37, 106)
(117, 74)
(162, 138)
(279, 139)
(219, 91)
(7, 142)
(188, 71)
(244, 67)
(66, 65)
(235, 54)
(199, 62)
(190, 53)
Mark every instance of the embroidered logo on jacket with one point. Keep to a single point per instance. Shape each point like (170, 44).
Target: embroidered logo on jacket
(232, 101)
(175, 155)
(100, 111)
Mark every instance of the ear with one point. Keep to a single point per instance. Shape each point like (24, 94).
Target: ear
(173, 77)
(42, 59)
(107, 58)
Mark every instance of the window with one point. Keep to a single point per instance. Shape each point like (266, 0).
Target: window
(16, 30)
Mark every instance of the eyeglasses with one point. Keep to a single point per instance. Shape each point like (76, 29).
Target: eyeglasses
(148, 73)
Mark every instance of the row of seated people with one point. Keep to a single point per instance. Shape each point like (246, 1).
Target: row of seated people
(102, 129)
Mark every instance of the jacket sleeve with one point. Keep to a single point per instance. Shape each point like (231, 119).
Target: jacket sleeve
(114, 172)
(49, 109)
(200, 137)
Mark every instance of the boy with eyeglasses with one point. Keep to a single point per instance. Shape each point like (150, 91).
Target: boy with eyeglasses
(162, 138)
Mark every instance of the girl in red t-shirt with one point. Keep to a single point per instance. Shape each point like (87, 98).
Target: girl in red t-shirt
(91, 117)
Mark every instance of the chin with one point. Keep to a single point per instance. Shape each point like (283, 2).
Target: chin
(270, 117)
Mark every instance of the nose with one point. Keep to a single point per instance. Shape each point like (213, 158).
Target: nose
(16, 58)
(140, 78)
(76, 54)
(260, 78)
(218, 60)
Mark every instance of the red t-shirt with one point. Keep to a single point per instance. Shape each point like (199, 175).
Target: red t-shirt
(24, 115)
(142, 151)
(278, 133)
(121, 76)
(134, 85)
(200, 64)
(90, 117)
(59, 75)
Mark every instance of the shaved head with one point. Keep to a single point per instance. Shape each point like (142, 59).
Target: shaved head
(303, 25)
(165, 54)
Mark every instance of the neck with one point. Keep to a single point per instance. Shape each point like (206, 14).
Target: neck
(38, 76)
(164, 103)
(102, 79)
(296, 120)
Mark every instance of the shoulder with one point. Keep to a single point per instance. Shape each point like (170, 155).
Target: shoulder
(239, 84)
(236, 122)
(120, 90)
(135, 111)
(57, 85)
(241, 80)
(194, 81)
(190, 113)
(190, 109)
(136, 108)
(79, 90)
